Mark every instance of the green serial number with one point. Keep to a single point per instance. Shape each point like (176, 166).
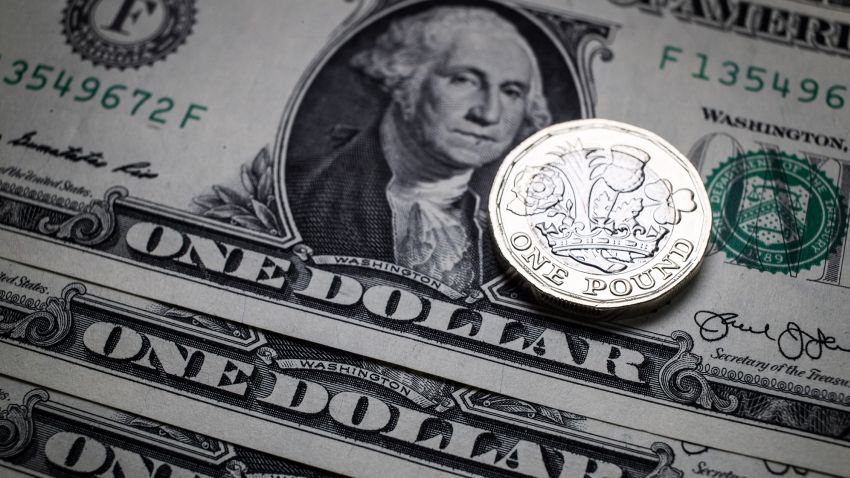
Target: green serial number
(118, 96)
(755, 79)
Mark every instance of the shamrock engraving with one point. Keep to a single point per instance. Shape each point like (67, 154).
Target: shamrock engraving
(670, 204)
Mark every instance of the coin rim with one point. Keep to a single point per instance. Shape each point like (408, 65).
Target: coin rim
(572, 298)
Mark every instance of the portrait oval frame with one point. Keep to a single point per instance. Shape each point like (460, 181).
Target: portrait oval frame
(365, 16)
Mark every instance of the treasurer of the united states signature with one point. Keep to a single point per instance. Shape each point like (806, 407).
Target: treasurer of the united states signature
(793, 342)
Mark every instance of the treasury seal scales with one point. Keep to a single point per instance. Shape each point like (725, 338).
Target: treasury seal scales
(600, 216)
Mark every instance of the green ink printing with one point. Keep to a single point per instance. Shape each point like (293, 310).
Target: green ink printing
(775, 212)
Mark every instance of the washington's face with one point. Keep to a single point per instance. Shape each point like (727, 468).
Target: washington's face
(472, 104)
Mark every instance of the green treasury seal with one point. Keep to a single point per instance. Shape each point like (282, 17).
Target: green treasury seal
(775, 212)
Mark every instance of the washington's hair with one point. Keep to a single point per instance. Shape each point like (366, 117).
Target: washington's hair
(402, 56)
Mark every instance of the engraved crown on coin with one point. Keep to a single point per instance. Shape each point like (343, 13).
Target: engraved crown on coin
(596, 207)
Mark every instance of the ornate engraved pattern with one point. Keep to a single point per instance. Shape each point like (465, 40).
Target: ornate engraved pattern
(40, 196)
(267, 355)
(215, 324)
(235, 469)
(17, 425)
(22, 300)
(798, 415)
(665, 462)
(772, 383)
(599, 207)
(681, 380)
(48, 326)
(253, 208)
(522, 408)
(588, 42)
(179, 434)
(590, 47)
(92, 225)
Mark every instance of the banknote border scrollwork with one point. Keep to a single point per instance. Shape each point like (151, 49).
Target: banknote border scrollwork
(589, 48)
(666, 457)
(22, 300)
(214, 324)
(201, 446)
(18, 423)
(513, 406)
(680, 378)
(93, 225)
(41, 196)
(771, 383)
(235, 469)
(49, 325)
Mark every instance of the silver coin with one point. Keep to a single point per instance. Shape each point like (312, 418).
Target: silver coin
(601, 216)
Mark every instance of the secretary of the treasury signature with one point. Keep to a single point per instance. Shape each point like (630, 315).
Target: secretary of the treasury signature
(793, 342)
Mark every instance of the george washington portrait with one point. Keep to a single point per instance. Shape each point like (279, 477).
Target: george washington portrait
(407, 124)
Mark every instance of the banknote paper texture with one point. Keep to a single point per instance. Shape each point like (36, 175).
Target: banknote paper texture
(274, 394)
(320, 170)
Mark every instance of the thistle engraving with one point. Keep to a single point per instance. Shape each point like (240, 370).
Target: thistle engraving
(90, 227)
(681, 380)
(600, 208)
(16, 424)
(48, 326)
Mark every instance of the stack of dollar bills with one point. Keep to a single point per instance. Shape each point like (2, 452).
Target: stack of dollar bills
(250, 239)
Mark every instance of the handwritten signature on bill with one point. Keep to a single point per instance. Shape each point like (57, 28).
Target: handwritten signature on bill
(793, 342)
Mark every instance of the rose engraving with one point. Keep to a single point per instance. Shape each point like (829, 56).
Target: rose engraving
(537, 189)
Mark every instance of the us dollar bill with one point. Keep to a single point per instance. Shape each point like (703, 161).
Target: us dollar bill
(54, 434)
(275, 166)
(170, 370)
